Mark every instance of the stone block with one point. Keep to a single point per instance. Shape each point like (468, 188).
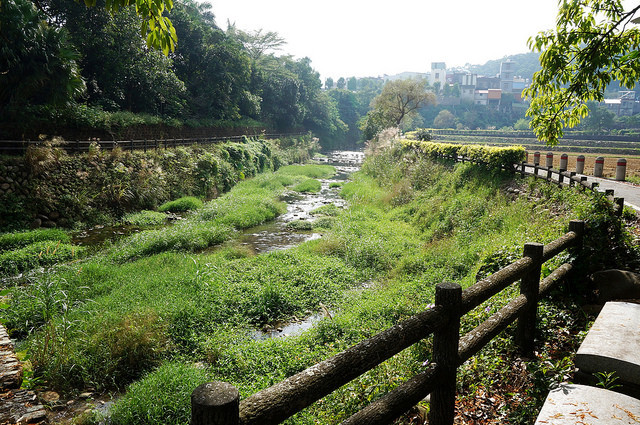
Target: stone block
(611, 345)
(581, 404)
(616, 285)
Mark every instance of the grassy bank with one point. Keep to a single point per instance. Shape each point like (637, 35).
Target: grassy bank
(156, 317)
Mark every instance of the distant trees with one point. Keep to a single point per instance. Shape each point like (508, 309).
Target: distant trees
(80, 62)
(328, 83)
(352, 84)
(444, 119)
(342, 83)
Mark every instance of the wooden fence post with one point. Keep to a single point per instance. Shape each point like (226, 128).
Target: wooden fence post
(577, 226)
(522, 170)
(571, 176)
(445, 355)
(215, 403)
(529, 287)
(620, 203)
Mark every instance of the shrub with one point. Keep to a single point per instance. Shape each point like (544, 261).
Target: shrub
(186, 203)
(10, 241)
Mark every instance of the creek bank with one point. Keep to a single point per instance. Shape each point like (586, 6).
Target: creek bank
(49, 188)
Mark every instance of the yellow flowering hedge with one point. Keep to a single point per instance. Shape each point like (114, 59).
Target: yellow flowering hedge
(492, 155)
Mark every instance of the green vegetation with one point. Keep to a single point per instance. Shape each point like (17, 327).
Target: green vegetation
(184, 204)
(11, 241)
(96, 76)
(311, 171)
(100, 187)
(145, 218)
(308, 186)
(492, 155)
(150, 317)
(575, 67)
(39, 254)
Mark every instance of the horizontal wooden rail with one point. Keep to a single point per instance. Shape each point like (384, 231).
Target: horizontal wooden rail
(78, 146)
(282, 400)
(278, 402)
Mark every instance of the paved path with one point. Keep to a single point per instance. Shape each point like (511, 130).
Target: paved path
(628, 191)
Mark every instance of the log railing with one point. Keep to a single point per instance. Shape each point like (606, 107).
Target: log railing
(18, 147)
(218, 403)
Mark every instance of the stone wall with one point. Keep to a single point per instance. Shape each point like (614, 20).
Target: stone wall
(50, 188)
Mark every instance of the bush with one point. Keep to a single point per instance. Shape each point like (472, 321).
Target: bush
(11, 241)
(186, 203)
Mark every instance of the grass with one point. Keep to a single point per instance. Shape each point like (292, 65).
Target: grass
(310, 171)
(39, 254)
(145, 218)
(186, 203)
(157, 312)
(11, 241)
(308, 186)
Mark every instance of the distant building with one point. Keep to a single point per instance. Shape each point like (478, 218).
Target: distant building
(468, 87)
(493, 97)
(625, 105)
(481, 97)
(438, 73)
(507, 71)
(486, 83)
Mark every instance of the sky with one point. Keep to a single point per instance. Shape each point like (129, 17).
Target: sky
(345, 38)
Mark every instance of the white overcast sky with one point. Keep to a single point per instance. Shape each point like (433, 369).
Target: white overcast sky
(359, 38)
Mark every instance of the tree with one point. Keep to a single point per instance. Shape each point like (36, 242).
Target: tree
(400, 99)
(593, 44)
(445, 119)
(37, 61)
(599, 118)
(341, 83)
(396, 106)
(352, 84)
(258, 42)
(328, 83)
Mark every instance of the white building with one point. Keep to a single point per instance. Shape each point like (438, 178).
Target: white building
(438, 73)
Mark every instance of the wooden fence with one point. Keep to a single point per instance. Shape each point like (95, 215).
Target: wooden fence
(571, 179)
(16, 147)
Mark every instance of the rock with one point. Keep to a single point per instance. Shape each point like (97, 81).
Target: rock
(49, 224)
(54, 215)
(43, 217)
(5, 186)
(49, 396)
(616, 285)
(36, 223)
(85, 395)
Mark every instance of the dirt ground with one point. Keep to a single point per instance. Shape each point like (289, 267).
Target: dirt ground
(610, 161)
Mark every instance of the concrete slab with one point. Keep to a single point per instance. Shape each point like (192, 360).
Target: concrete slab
(581, 404)
(612, 344)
